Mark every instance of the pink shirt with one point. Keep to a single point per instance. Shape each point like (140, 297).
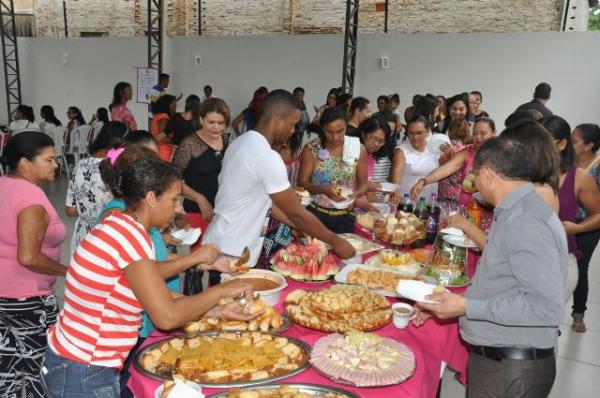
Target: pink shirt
(121, 113)
(17, 281)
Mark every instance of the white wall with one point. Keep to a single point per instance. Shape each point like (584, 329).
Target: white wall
(87, 80)
(505, 67)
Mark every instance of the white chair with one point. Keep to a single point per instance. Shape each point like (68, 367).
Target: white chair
(96, 127)
(79, 142)
(57, 134)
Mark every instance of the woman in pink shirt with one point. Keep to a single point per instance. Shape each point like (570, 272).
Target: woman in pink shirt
(30, 240)
(118, 108)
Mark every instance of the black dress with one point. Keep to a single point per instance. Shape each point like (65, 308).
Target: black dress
(200, 166)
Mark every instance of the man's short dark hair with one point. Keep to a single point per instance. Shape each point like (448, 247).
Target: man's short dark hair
(208, 87)
(298, 89)
(383, 98)
(509, 158)
(542, 91)
(163, 76)
(279, 102)
(475, 92)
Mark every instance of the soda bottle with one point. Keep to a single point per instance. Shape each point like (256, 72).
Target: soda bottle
(434, 218)
(406, 204)
(475, 212)
(423, 214)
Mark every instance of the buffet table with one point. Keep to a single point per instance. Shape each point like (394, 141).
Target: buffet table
(433, 343)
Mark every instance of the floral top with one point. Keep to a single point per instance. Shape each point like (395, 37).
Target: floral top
(329, 169)
(449, 188)
(582, 212)
(121, 113)
(88, 194)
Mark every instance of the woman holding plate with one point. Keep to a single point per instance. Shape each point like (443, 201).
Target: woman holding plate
(459, 165)
(334, 170)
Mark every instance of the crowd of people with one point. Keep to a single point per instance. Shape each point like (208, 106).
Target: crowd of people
(537, 181)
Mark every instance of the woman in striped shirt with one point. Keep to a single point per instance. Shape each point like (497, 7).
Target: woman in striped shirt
(375, 135)
(112, 277)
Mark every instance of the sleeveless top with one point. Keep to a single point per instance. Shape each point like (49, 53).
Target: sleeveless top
(568, 206)
(329, 169)
(450, 187)
(417, 165)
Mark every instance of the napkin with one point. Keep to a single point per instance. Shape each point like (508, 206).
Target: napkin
(452, 231)
(182, 390)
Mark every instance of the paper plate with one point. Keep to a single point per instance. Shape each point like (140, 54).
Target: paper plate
(435, 141)
(187, 237)
(460, 241)
(388, 187)
(415, 290)
(343, 204)
(453, 231)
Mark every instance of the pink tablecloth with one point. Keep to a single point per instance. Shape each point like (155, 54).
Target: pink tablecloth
(433, 343)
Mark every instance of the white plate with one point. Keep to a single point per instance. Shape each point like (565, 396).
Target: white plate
(187, 237)
(342, 277)
(435, 141)
(460, 241)
(185, 389)
(453, 231)
(343, 204)
(415, 290)
(388, 187)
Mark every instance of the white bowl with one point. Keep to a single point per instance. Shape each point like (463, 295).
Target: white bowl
(271, 296)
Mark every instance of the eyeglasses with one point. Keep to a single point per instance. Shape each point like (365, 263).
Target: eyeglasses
(375, 140)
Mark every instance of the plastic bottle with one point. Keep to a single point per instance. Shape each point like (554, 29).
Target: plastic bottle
(475, 212)
(406, 204)
(423, 214)
(434, 218)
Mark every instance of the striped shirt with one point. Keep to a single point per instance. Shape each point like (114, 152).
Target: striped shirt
(101, 316)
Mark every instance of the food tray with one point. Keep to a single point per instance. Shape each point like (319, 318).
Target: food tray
(405, 369)
(342, 277)
(314, 390)
(304, 346)
(285, 325)
(365, 246)
(411, 269)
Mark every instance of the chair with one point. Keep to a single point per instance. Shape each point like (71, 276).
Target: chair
(57, 134)
(96, 127)
(79, 142)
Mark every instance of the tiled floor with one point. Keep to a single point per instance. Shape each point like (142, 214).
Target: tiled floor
(578, 373)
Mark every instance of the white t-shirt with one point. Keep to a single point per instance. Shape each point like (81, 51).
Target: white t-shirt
(251, 172)
(18, 126)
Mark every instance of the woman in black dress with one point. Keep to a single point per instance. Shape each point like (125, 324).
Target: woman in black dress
(198, 158)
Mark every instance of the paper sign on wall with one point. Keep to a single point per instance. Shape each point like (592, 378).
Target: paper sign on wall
(146, 79)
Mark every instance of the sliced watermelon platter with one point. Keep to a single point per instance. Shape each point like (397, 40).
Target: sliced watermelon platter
(311, 262)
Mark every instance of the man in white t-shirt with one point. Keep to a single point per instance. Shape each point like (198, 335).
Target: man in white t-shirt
(254, 180)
